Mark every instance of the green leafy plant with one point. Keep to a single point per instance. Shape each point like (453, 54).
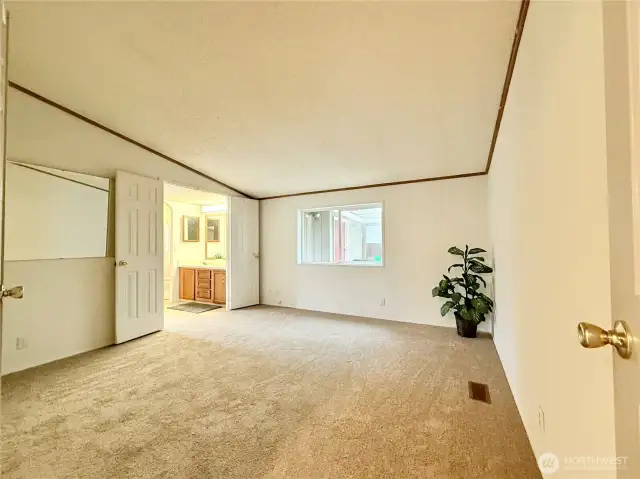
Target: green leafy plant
(462, 293)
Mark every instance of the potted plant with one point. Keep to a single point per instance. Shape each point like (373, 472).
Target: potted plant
(463, 295)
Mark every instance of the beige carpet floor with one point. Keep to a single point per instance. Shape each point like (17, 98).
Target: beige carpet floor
(268, 393)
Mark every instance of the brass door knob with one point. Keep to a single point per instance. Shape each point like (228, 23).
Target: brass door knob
(592, 336)
(122, 263)
(16, 292)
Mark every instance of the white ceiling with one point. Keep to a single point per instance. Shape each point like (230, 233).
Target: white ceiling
(180, 194)
(279, 97)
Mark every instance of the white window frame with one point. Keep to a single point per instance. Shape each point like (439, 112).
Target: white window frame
(341, 208)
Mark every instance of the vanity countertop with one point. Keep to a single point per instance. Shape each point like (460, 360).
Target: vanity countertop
(203, 266)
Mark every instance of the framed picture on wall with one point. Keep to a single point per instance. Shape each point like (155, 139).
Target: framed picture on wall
(190, 229)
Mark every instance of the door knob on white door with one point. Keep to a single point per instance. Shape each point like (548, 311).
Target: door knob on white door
(122, 263)
(17, 292)
(620, 337)
(256, 255)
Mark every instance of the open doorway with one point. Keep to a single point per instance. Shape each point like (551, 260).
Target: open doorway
(209, 258)
(195, 251)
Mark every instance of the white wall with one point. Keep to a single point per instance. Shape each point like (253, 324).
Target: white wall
(68, 304)
(97, 181)
(68, 308)
(52, 218)
(549, 229)
(421, 221)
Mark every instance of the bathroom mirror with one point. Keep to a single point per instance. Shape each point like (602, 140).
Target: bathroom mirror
(213, 229)
(190, 229)
(215, 241)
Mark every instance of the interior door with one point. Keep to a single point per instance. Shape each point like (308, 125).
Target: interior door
(16, 291)
(139, 258)
(622, 67)
(243, 264)
(4, 38)
(622, 62)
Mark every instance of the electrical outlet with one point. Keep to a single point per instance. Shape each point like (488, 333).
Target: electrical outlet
(383, 302)
(21, 343)
(541, 420)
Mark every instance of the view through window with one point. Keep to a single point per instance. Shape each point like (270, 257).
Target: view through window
(342, 235)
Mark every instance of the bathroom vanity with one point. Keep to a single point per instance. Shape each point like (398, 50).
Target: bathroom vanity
(203, 283)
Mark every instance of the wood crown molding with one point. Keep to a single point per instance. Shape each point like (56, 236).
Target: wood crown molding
(524, 7)
(117, 134)
(522, 15)
(378, 185)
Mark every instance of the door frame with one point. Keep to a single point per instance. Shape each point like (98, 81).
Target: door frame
(174, 262)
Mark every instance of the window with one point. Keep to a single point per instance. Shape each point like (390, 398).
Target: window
(348, 235)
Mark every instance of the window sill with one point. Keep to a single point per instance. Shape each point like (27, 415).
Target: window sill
(357, 264)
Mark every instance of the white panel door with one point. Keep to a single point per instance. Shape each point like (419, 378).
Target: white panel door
(622, 61)
(243, 264)
(15, 292)
(139, 266)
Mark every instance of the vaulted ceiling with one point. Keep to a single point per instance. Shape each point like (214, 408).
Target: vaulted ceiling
(279, 97)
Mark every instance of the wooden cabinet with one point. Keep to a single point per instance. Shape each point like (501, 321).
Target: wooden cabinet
(220, 287)
(187, 283)
(203, 284)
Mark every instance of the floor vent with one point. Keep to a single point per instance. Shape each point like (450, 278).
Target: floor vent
(479, 392)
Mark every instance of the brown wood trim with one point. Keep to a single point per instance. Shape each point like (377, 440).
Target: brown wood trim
(379, 185)
(522, 16)
(91, 122)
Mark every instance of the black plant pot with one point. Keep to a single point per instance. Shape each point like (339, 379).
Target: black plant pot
(465, 328)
